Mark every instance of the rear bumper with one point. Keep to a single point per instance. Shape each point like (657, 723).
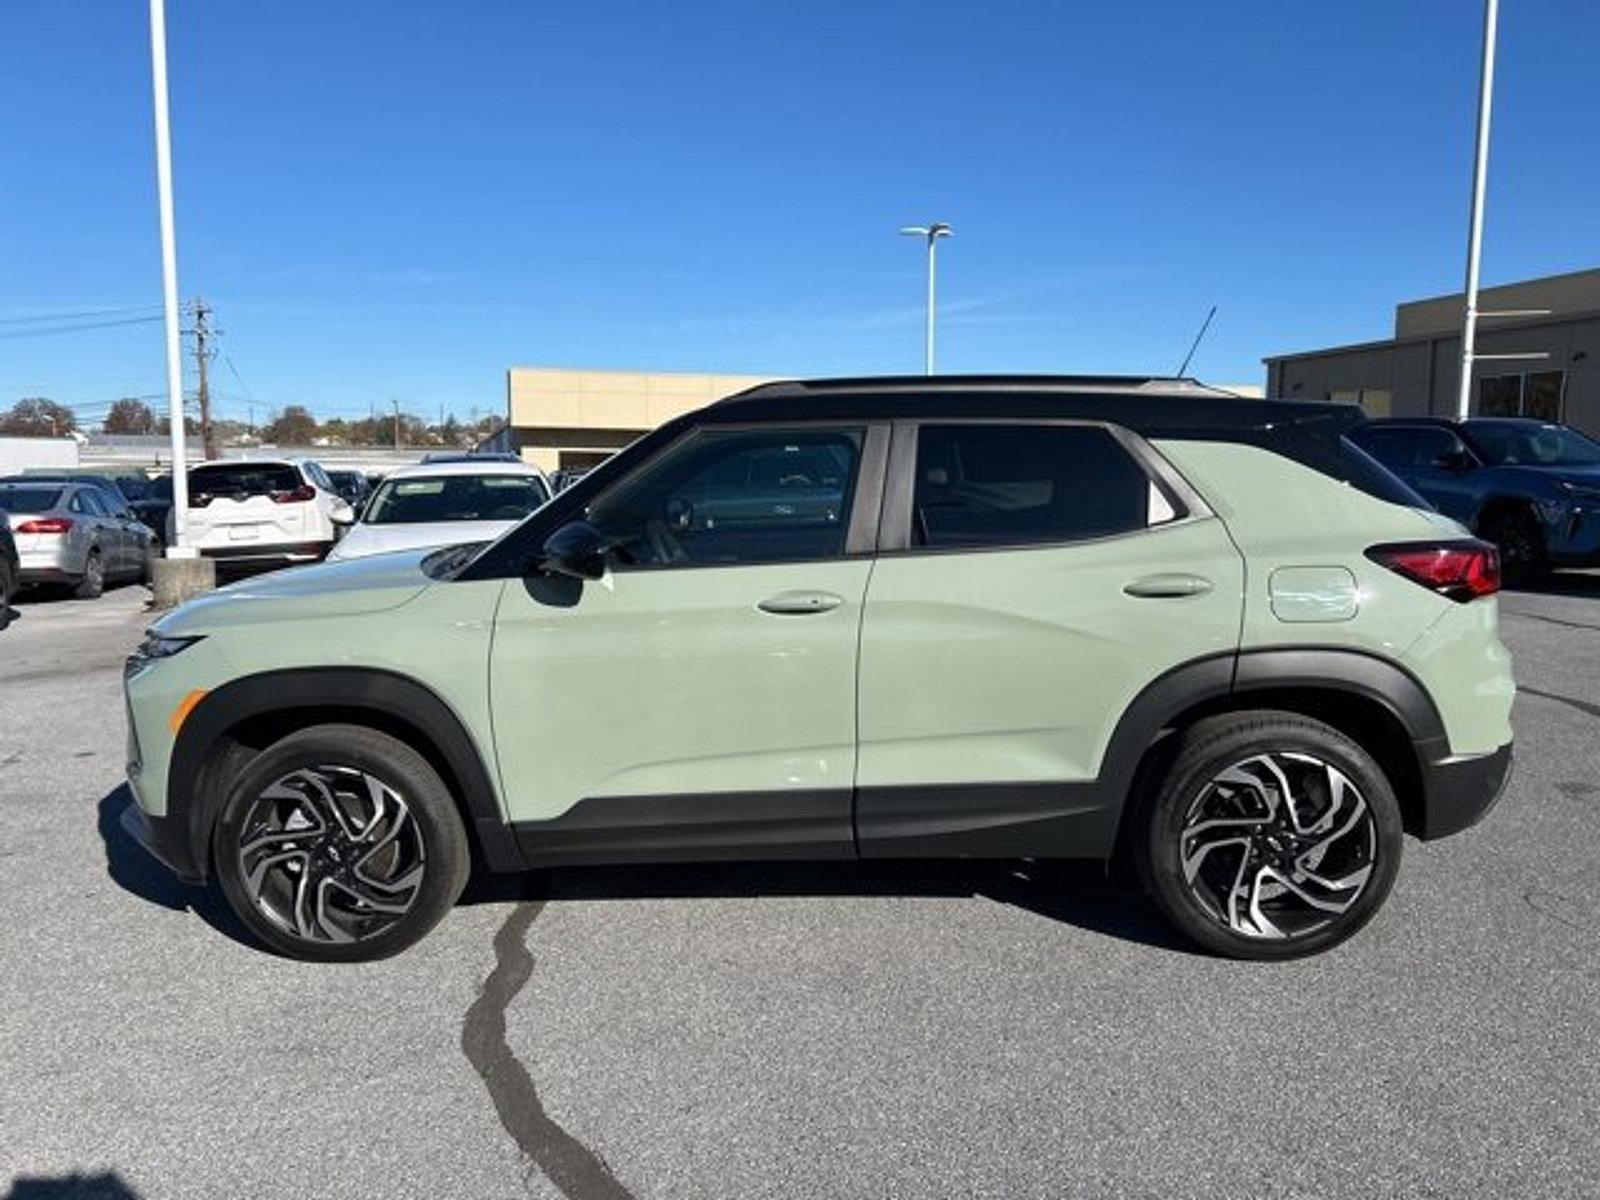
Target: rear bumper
(48, 566)
(294, 552)
(1458, 792)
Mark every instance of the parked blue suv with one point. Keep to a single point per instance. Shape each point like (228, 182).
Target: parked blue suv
(1531, 487)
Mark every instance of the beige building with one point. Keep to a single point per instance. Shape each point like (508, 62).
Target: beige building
(1416, 372)
(562, 418)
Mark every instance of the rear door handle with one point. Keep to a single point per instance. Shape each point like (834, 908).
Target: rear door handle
(1173, 585)
(800, 603)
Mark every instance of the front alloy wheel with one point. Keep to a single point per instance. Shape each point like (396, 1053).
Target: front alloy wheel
(1272, 836)
(331, 854)
(340, 843)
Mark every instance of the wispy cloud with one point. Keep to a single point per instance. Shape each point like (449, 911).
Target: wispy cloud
(981, 310)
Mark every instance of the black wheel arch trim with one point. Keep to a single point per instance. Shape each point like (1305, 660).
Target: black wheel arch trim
(192, 800)
(1328, 668)
(1233, 677)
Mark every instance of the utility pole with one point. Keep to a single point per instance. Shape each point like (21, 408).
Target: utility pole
(203, 354)
(396, 404)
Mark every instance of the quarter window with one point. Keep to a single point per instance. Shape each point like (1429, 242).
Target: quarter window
(733, 496)
(990, 485)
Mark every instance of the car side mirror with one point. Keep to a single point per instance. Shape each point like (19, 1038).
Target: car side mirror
(577, 550)
(341, 513)
(1454, 460)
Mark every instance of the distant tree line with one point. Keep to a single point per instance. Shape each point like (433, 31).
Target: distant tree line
(294, 425)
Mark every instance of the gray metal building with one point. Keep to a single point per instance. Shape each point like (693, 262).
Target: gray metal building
(1416, 371)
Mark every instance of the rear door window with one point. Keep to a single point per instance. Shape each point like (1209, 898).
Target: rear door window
(998, 485)
(1392, 445)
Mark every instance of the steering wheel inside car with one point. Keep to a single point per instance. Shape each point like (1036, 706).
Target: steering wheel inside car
(664, 547)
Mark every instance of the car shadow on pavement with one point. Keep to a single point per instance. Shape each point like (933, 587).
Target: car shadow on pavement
(1583, 585)
(1080, 894)
(1075, 893)
(135, 870)
(106, 1186)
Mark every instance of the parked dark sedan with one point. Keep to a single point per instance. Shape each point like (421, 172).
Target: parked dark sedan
(1531, 487)
(10, 570)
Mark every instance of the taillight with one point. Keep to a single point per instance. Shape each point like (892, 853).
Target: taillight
(1461, 570)
(304, 492)
(45, 525)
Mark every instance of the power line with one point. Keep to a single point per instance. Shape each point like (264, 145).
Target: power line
(80, 316)
(23, 333)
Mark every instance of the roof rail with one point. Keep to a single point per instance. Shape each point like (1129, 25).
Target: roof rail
(1132, 384)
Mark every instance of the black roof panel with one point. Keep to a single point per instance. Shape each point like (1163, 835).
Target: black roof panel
(1151, 406)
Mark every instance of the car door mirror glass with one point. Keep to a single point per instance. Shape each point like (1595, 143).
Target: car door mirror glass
(577, 550)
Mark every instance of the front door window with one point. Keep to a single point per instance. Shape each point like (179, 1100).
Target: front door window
(736, 496)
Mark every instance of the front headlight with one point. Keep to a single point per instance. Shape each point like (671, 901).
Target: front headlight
(156, 647)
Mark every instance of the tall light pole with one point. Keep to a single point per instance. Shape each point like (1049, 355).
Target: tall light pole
(1480, 179)
(932, 232)
(169, 280)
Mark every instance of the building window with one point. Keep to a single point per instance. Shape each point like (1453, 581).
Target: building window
(1535, 394)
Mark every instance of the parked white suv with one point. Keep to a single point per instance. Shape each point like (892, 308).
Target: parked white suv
(263, 511)
(444, 503)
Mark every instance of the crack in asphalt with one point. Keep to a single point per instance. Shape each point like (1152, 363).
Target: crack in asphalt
(1528, 616)
(579, 1172)
(1582, 706)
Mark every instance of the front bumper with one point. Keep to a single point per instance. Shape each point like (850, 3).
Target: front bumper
(1572, 534)
(164, 838)
(1458, 792)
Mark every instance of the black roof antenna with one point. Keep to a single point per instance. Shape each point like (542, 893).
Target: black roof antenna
(1196, 345)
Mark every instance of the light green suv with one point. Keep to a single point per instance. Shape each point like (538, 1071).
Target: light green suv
(879, 618)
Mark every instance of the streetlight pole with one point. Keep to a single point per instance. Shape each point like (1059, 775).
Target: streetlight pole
(169, 280)
(932, 233)
(1480, 179)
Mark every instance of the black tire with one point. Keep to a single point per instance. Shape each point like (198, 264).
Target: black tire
(92, 582)
(1524, 558)
(278, 905)
(1204, 836)
(146, 570)
(8, 589)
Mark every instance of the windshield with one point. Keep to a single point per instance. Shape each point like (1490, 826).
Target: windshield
(19, 499)
(243, 479)
(1530, 445)
(454, 498)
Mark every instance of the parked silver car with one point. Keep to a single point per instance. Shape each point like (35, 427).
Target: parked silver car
(74, 533)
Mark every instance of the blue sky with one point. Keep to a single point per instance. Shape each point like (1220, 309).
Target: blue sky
(396, 200)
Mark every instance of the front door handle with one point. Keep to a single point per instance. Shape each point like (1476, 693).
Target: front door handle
(800, 603)
(1172, 585)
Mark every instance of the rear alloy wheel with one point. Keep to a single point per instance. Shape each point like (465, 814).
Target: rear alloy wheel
(1523, 557)
(1274, 836)
(340, 843)
(93, 580)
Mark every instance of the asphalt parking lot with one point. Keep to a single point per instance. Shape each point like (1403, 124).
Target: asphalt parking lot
(799, 1031)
